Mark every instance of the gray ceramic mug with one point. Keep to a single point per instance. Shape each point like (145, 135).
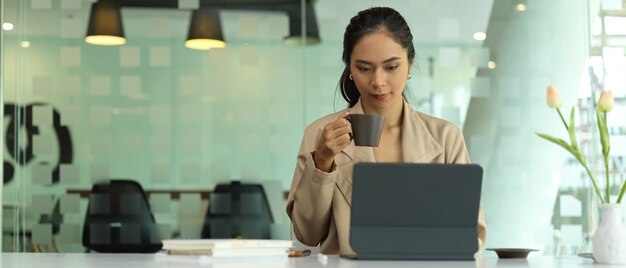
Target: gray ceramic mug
(366, 128)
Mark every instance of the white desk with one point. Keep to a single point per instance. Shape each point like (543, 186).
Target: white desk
(76, 260)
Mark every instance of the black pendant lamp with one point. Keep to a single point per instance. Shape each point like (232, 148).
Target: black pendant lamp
(311, 34)
(105, 25)
(205, 30)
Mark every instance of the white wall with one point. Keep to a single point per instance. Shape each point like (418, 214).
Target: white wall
(547, 44)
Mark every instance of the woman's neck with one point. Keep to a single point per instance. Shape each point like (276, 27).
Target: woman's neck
(393, 114)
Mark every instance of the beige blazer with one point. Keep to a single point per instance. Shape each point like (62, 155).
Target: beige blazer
(319, 202)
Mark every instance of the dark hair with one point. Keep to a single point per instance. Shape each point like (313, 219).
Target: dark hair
(367, 22)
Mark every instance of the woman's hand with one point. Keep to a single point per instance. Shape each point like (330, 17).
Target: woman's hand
(335, 137)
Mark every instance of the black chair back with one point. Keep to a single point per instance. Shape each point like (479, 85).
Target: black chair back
(238, 211)
(55, 219)
(119, 219)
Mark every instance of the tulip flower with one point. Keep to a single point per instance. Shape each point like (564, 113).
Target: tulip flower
(554, 101)
(553, 97)
(605, 103)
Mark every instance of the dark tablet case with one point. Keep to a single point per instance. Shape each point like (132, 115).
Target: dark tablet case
(415, 211)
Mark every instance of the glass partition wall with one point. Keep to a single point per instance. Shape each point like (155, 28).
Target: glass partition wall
(180, 121)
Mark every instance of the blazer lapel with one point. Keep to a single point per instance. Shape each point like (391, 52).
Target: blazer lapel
(355, 154)
(418, 145)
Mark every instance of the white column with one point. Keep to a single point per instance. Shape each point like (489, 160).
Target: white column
(546, 44)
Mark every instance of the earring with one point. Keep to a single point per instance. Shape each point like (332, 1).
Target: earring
(350, 76)
(409, 76)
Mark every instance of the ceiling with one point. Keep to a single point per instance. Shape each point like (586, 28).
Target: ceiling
(457, 19)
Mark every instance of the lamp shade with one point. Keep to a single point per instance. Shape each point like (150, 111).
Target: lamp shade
(105, 25)
(205, 31)
(311, 34)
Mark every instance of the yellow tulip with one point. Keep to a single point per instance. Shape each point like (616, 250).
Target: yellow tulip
(553, 97)
(605, 103)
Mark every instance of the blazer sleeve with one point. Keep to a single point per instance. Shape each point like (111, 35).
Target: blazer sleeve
(460, 155)
(310, 197)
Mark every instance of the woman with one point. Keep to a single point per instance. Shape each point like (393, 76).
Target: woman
(378, 53)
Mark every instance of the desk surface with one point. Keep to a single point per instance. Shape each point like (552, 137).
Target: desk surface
(75, 260)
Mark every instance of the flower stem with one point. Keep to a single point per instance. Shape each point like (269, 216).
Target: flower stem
(595, 186)
(605, 153)
(621, 192)
(562, 119)
(608, 183)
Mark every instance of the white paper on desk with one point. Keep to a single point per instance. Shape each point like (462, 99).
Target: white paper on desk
(233, 252)
(199, 244)
(221, 262)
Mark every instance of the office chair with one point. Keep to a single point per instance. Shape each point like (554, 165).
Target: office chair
(238, 211)
(55, 219)
(119, 219)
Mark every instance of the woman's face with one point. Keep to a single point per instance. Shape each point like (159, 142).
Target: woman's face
(379, 68)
